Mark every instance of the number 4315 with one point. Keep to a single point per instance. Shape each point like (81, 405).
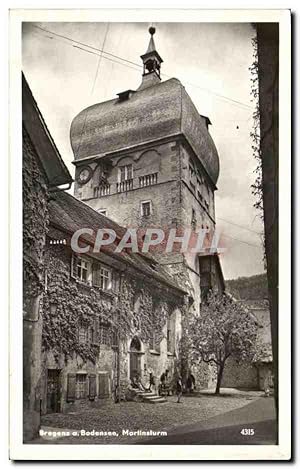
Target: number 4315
(247, 431)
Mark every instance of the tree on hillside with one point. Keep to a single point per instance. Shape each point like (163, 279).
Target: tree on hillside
(249, 288)
(223, 329)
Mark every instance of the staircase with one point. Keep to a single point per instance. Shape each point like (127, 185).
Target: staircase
(150, 397)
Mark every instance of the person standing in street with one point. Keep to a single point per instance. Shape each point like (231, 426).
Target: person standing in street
(179, 388)
(151, 380)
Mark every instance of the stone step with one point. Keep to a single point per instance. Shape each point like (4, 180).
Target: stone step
(150, 397)
(154, 396)
(156, 400)
(138, 392)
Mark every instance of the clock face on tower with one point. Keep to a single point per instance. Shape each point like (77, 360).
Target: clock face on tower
(84, 175)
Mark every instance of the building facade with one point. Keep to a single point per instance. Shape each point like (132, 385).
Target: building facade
(92, 321)
(95, 320)
(106, 318)
(43, 170)
(252, 375)
(147, 159)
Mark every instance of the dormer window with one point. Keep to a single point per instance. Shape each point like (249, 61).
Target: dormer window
(125, 95)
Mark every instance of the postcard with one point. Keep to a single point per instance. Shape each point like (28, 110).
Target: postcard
(150, 158)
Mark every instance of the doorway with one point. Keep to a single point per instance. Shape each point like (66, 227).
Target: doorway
(135, 357)
(53, 391)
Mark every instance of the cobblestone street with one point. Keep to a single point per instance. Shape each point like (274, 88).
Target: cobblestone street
(143, 416)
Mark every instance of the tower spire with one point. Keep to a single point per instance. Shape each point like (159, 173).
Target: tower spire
(151, 61)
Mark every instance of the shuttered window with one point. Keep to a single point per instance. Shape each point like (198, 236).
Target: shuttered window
(105, 334)
(114, 338)
(82, 333)
(81, 269)
(71, 387)
(103, 385)
(81, 386)
(125, 173)
(102, 277)
(105, 279)
(92, 387)
(74, 266)
(91, 335)
(154, 342)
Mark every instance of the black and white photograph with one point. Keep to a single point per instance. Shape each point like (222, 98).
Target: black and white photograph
(148, 178)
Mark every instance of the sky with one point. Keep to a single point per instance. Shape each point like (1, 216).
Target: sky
(212, 61)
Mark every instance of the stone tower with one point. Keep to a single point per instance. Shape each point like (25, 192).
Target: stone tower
(147, 159)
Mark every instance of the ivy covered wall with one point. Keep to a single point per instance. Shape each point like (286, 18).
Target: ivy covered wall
(138, 307)
(35, 226)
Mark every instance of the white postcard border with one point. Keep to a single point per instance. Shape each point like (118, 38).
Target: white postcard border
(163, 452)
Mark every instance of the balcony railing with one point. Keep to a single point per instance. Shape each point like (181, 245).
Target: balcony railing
(125, 186)
(102, 190)
(148, 180)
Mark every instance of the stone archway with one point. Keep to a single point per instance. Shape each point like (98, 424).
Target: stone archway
(135, 351)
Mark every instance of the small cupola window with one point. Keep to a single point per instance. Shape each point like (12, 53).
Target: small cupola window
(125, 95)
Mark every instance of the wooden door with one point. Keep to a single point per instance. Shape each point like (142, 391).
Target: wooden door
(53, 391)
(103, 385)
(135, 364)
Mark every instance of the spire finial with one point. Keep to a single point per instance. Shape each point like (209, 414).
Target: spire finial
(151, 59)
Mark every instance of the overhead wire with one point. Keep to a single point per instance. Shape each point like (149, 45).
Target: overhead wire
(240, 226)
(136, 66)
(93, 87)
(131, 63)
(242, 241)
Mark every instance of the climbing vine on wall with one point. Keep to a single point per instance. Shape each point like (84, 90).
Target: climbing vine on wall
(145, 319)
(35, 222)
(256, 187)
(68, 305)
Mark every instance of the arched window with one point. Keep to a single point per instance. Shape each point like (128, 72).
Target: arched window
(149, 168)
(135, 345)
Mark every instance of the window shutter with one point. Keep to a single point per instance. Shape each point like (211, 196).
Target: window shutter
(74, 266)
(103, 385)
(71, 387)
(92, 386)
(96, 274)
(106, 385)
(96, 331)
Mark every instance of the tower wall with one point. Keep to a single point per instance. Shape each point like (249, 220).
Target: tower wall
(124, 207)
(181, 196)
(157, 132)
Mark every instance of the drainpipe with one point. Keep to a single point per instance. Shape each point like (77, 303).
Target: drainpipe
(118, 394)
(118, 361)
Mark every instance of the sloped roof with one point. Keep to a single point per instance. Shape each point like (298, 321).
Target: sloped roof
(70, 214)
(51, 161)
(161, 110)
